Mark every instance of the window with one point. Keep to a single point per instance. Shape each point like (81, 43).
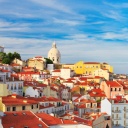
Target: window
(12, 87)
(115, 89)
(57, 59)
(37, 105)
(119, 89)
(111, 89)
(32, 107)
(13, 108)
(23, 107)
(26, 127)
(8, 108)
(15, 87)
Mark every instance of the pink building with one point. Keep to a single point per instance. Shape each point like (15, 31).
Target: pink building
(112, 88)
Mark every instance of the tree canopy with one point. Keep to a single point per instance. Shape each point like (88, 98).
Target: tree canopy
(8, 58)
(48, 61)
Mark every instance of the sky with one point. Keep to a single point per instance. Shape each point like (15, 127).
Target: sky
(87, 30)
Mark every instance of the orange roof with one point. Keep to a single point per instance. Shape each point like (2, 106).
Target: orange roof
(57, 70)
(69, 122)
(49, 120)
(17, 100)
(77, 88)
(84, 121)
(96, 93)
(91, 63)
(21, 119)
(14, 64)
(113, 84)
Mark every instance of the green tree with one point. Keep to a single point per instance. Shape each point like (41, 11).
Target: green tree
(48, 61)
(6, 60)
(10, 55)
(2, 55)
(17, 55)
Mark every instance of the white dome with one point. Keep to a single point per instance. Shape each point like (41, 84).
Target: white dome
(54, 54)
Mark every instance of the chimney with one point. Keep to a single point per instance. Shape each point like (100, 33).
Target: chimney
(25, 101)
(13, 95)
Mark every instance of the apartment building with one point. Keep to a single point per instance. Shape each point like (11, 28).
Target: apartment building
(117, 108)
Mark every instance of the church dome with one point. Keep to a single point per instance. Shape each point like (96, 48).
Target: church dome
(54, 54)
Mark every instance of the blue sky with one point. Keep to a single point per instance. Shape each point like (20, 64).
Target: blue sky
(88, 30)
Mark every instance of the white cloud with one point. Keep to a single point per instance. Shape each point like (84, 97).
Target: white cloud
(54, 4)
(67, 22)
(113, 14)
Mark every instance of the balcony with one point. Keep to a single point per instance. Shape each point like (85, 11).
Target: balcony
(116, 111)
(126, 117)
(116, 124)
(126, 124)
(117, 118)
(125, 110)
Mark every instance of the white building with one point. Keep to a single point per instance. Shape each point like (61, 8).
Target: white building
(54, 54)
(15, 86)
(65, 94)
(117, 108)
(69, 84)
(34, 92)
(65, 73)
(1, 49)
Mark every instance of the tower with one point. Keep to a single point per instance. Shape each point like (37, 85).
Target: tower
(54, 54)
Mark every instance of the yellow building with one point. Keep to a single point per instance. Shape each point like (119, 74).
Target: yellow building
(3, 90)
(17, 103)
(107, 66)
(37, 62)
(71, 66)
(88, 68)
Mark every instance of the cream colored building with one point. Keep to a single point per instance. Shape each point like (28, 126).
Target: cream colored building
(54, 54)
(37, 62)
(48, 91)
(102, 73)
(20, 62)
(3, 90)
(71, 66)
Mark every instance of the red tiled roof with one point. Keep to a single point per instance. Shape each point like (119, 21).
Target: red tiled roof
(21, 119)
(91, 63)
(17, 100)
(97, 93)
(49, 120)
(80, 120)
(57, 70)
(69, 122)
(113, 84)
